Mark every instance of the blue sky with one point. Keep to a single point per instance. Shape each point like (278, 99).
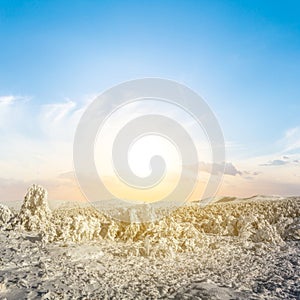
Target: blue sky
(243, 57)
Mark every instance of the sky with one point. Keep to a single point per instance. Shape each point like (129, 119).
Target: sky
(242, 57)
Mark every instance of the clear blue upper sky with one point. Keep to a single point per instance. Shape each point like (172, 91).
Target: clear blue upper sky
(243, 57)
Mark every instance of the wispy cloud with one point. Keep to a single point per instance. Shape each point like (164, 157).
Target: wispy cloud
(12, 111)
(58, 111)
(36, 140)
(275, 162)
(6, 100)
(11, 99)
(227, 168)
(291, 140)
(57, 121)
(36, 144)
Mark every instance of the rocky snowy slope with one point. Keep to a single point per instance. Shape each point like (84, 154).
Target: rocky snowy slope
(240, 249)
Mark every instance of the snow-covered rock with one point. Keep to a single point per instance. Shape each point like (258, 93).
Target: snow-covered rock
(5, 215)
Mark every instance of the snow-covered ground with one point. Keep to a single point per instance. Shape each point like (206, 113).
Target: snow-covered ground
(239, 249)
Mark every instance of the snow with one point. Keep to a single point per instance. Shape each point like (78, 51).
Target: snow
(237, 249)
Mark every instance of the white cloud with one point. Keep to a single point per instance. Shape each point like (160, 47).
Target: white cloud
(11, 99)
(6, 100)
(58, 111)
(11, 111)
(36, 143)
(228, 168)
(36, 140)
(58, 121)
(291, 140)
(275, 162)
